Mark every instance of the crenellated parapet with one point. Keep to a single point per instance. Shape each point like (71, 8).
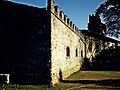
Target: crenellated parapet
(95, 25)
(62, 17)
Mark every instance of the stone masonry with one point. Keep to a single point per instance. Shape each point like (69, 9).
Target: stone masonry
(38, 45)
(64, 34)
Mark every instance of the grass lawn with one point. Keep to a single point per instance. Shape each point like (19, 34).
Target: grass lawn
(87, 80)
(32, 87)
(95, 75)
(81, 80)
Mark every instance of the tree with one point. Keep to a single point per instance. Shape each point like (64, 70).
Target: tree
(110, 13)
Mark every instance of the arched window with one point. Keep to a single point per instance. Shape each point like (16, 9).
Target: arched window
(67, 51)
(76, 52)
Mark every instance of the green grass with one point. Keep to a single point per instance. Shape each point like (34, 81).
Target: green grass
(32, 87)
(81, 79)
(86, 80)
(95, 75)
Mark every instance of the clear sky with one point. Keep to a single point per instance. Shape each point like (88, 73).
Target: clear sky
(77, 10)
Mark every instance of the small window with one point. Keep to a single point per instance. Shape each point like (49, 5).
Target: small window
(90, 45)
(76, 51)
(81, 53)
(67, 51)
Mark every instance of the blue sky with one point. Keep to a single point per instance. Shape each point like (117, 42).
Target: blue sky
(77, 10)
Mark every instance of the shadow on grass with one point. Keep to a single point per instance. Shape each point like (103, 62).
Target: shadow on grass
(108, 82)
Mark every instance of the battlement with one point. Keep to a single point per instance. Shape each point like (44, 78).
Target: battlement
(95, 25)
(94, 18)
(61, 16)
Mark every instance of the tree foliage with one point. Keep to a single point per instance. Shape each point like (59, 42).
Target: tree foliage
(110, 13)
(107, 59)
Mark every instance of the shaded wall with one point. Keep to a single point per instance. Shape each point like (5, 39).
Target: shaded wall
(24, 43)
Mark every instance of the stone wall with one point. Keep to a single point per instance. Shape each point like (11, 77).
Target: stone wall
(25, 43)
(38, 45)
(95, 44)
(64, 34)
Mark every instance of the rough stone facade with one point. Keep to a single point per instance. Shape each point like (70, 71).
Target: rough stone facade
(42, 45)
(64, 34)
(38, 45)
(25, 43)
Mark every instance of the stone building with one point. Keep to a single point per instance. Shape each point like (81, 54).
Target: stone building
(42, 45)
(95, 37)
(38, 45)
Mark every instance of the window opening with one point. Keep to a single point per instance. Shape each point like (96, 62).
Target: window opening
(68, 51)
